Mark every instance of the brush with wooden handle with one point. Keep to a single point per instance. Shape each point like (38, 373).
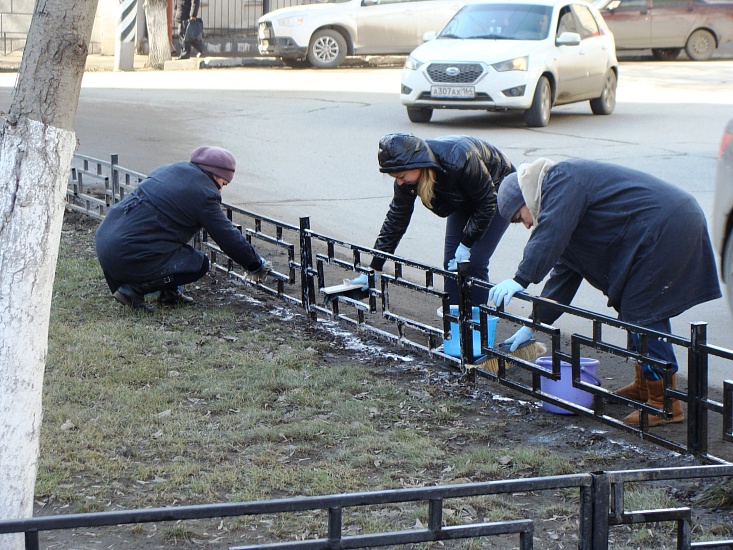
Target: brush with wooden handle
(527, 351)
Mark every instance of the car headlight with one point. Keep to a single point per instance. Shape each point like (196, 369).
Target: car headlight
(291, 21)
(413, 64)
(516, 64)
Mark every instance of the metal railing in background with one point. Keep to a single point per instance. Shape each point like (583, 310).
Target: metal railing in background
(400, 309)
(222, 16)
(12, 41)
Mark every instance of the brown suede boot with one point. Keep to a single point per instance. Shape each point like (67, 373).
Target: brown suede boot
(656, 399)
(637, 389)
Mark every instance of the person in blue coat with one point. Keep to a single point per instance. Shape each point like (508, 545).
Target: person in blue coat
(142, 242)
(641, 241)
(455, 177)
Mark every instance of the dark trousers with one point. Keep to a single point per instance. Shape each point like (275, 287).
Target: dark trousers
(186, 46)
(178, 271)
(481, 252)
(656, 349)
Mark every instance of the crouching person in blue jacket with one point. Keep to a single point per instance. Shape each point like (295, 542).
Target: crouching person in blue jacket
(641, 241)
(142, 242)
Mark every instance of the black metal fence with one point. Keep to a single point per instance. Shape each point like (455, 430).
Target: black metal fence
(394, 308)
(400, 307)
(599, 500)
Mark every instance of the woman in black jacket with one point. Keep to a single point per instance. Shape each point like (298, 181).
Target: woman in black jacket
(456, 177)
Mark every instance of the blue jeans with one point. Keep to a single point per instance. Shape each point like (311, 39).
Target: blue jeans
(481, 252)
(656, 349)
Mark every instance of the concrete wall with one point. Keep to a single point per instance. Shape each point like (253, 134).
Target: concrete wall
(105, 26)
(15, 20)
(16, 15)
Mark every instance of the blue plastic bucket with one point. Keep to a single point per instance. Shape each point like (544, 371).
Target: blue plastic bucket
(564, 388)
(452, 347)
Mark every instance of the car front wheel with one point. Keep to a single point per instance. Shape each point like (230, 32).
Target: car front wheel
(327, 49)
(606, 103)
(538, 115)
(416, 114)
(700, 46)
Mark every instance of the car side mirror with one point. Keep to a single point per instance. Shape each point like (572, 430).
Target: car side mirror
(428, 36)
(568, 39)
(613, 5)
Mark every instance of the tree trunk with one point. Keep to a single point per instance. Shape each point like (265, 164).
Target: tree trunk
(36, 148)
(157, 20)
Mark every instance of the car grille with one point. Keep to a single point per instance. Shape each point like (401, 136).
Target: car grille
(480, 96)
(455, 73)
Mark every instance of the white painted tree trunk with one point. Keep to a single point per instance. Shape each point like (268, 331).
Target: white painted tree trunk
(157, 21)
(36, 147)
(31, 229)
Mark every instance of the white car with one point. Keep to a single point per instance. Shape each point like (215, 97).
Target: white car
(523, 55)
(324, 33)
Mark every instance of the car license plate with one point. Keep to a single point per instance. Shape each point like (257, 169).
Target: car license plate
(468, 92)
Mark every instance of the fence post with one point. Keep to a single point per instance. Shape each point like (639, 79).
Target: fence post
(115, 178)
(125, 36)
(697, 390)
(601, 493)
(465, 314)
(307, 288)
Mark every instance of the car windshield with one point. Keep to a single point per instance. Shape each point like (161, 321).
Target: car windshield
(499, 21)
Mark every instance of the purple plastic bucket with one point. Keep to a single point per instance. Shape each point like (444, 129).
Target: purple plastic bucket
(452, 347)
(564, 388)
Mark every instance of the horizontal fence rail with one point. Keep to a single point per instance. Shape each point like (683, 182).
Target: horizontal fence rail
(599, 500)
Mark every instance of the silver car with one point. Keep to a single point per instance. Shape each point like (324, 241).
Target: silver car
(723, 210)
(322, 34)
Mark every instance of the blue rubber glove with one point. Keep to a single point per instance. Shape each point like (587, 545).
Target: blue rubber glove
(463, 254)
(363, 280)
(504, 292)
(523, 335)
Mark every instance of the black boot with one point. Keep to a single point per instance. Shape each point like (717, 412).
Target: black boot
(134, 297)
(174, 298)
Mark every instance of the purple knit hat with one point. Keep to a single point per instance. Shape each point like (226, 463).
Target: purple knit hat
(216, 160)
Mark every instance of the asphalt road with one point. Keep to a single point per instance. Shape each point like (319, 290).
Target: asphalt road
(306, 142)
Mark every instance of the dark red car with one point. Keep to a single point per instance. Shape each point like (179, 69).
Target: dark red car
(667, 26)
